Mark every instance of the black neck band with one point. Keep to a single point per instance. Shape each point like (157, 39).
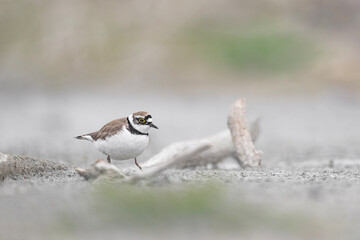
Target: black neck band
(134, 131)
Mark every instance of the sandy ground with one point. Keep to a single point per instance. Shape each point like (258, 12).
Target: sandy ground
(308, 187)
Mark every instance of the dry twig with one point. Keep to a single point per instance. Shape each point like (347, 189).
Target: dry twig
(170, 155)
(245, 152)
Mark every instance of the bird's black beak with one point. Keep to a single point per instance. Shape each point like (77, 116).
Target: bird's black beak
(153, 126)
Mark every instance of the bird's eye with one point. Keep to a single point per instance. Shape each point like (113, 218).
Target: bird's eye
(141, 120)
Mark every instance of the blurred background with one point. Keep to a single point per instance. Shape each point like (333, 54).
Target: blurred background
(268, 46)
(68, 67)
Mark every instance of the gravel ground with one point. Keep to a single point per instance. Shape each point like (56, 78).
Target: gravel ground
(308, 187)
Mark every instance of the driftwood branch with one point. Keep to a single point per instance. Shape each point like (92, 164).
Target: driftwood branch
(245, 150)
(221, 147)
(100, 168)
(175, 153)
(236, 142)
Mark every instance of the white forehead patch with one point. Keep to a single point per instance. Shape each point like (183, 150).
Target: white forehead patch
(149, 120)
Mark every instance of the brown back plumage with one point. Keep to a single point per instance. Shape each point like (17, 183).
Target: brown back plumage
(140, 113)
(109, 129)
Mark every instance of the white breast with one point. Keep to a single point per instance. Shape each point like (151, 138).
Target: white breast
(123, 145)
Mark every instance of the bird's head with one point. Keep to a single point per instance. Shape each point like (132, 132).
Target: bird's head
(141, 121)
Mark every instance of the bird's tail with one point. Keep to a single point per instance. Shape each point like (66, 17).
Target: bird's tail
(85, 137)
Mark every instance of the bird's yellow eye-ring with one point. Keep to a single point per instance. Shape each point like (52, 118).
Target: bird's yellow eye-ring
(141, 120)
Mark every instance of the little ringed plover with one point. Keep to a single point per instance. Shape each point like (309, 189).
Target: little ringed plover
(123, 138)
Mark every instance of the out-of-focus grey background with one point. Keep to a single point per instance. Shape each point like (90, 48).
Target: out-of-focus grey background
(68, 67)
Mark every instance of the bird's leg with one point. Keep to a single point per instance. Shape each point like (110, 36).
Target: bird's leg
(108, 159)
(137, 164)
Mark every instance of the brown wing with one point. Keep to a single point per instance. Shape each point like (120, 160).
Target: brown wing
(109, 129)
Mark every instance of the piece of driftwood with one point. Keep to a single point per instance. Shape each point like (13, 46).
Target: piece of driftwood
(20, 167)
(245, 151)
(175, 153)
(172, 155)
(237, 142)
(100, 168)
(221, 147)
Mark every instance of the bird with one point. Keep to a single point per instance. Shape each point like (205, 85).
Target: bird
(124, 138)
